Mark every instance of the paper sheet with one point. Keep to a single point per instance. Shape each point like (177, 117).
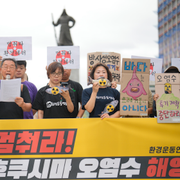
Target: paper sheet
(10, 89)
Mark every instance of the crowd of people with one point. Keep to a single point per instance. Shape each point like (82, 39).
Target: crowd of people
(62, 97)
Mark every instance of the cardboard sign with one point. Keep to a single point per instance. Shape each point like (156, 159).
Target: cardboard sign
(19, 48)
(168, 104)
(175, 62)
(134, 87)
(68, 56)
(111, 59)
(155, 67)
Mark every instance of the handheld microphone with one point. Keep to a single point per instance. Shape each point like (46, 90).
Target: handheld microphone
(7, 77)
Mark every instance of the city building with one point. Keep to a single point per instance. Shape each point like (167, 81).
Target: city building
(169, 30)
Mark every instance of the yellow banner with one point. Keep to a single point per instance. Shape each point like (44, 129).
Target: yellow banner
(91, 148)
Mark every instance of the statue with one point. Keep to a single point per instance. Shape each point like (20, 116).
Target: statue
(64, 36)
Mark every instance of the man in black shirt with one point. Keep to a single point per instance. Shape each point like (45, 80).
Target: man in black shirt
(77, 88)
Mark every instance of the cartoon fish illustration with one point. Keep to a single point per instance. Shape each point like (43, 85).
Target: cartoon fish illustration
(134, 87)
(57, 89)
(110, 107)
(101, 80)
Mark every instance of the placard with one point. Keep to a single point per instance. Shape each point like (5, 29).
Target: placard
(19, 48)
(111, 59)
(68, 56)
(168, 104)
(134, 87)
(155, 66)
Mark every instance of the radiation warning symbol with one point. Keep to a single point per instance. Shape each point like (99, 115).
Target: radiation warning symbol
(55, 90)
(102, 82)
(14, 48)
(63, 57)
(168, 88)
(110, 108)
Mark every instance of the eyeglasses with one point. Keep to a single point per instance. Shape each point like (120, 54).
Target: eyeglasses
(58, 74)
(8, 67)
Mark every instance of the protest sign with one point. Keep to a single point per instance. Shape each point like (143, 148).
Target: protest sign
(168, 104)
(134, 87)
(155, 67)
(19, 48)
(111, 59)
(68, 56)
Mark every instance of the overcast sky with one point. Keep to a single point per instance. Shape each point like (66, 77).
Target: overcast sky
(128, 27)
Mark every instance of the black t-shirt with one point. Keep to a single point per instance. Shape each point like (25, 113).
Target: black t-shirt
(103, 97)
(77, 89)
(10, 110)
(54, 106)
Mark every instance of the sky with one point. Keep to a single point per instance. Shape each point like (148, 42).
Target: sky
(128, 27)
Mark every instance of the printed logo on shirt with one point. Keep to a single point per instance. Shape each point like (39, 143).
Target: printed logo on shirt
(105, 97)
(50, 104)
(73, 90)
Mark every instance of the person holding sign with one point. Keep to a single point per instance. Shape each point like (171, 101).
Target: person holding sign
(54, 100)
(98, 98)
(14, 110)
(171, 69)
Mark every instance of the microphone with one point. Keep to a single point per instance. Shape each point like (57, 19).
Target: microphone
(8, 77)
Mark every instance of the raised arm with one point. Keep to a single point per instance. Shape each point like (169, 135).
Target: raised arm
(91, 103)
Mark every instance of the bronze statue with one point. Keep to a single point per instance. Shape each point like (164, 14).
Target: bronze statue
(64, 36)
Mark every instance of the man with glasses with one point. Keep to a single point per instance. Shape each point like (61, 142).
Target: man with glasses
(13, 110)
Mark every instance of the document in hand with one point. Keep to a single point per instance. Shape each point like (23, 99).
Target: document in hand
(10, 89)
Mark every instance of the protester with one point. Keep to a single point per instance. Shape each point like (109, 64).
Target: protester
(171, 69)
(0, 65)
(20, 73)
(54, 106)
(94, 99)
(14, 110)
(77, 89)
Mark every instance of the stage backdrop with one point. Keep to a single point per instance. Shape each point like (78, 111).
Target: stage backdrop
(118, 148)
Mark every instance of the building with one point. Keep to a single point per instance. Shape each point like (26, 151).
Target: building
(169, 30)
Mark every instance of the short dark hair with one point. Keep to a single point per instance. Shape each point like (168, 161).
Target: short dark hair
(172, 69)
(103, 65)
(9, 59)
(52, 68)
(22, 62)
